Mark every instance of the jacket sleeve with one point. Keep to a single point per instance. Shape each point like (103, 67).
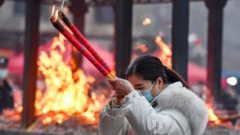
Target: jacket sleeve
(143, 118)
(112, 121)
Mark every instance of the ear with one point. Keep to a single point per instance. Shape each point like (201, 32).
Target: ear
(159, 83)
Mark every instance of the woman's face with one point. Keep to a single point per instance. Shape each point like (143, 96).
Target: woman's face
(140, 84)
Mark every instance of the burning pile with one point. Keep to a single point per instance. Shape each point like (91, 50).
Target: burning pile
(65, 100)
(11, 118)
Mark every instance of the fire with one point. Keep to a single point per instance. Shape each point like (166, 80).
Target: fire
(56, 14)
(212, 117)
(53, 10)
(64, 95)
(146, 21)
(18, 107)
(166, 52)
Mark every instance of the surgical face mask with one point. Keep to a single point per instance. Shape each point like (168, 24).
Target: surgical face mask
(147, 93)
(3, 74)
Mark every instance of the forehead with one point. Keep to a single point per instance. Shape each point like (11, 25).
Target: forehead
(136, 79)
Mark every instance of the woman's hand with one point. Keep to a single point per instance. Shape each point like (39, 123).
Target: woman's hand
(121, 86)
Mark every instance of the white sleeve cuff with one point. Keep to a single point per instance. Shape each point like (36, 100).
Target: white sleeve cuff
(112, 109)
(114, 105)
(130, 98)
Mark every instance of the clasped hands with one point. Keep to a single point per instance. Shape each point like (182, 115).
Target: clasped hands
(122, 88)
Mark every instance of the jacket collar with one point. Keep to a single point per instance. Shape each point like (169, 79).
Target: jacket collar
(169, 86)
(175, 96)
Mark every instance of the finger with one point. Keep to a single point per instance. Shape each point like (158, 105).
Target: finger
(112, 83)
(119, 92)
(113, 80)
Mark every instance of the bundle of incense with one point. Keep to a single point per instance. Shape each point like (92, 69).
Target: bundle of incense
(94, 58)
(83, 40)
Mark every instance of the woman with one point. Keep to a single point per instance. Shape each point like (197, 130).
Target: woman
(154, 100)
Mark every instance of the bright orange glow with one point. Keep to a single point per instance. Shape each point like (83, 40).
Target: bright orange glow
(212, 117)
(64, 95)
(146, 21)
(165, 52)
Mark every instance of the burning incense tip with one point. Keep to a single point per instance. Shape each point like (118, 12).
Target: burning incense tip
(64, 19)
(61, 14)
(92, 55)
(57, 24)
(54, 18)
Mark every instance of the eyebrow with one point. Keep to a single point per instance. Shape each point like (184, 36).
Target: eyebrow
(137, 85)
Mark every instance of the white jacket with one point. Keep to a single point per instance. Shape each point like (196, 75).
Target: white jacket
(177, 111)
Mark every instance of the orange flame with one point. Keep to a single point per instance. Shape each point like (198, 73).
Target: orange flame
(211, 115)
(53, 10)
(56, 15)
(146, 21)
(64, 96)
(166, 52)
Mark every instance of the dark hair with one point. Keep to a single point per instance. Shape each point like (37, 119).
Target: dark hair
(150, 68)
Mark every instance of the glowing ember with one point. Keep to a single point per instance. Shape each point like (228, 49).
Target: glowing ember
(64, 95)
(146, 21)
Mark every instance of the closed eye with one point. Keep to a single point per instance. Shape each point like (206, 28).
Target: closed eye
(139, 88)
(138, 85)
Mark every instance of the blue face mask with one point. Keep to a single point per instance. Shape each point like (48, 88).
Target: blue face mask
(147, 93)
